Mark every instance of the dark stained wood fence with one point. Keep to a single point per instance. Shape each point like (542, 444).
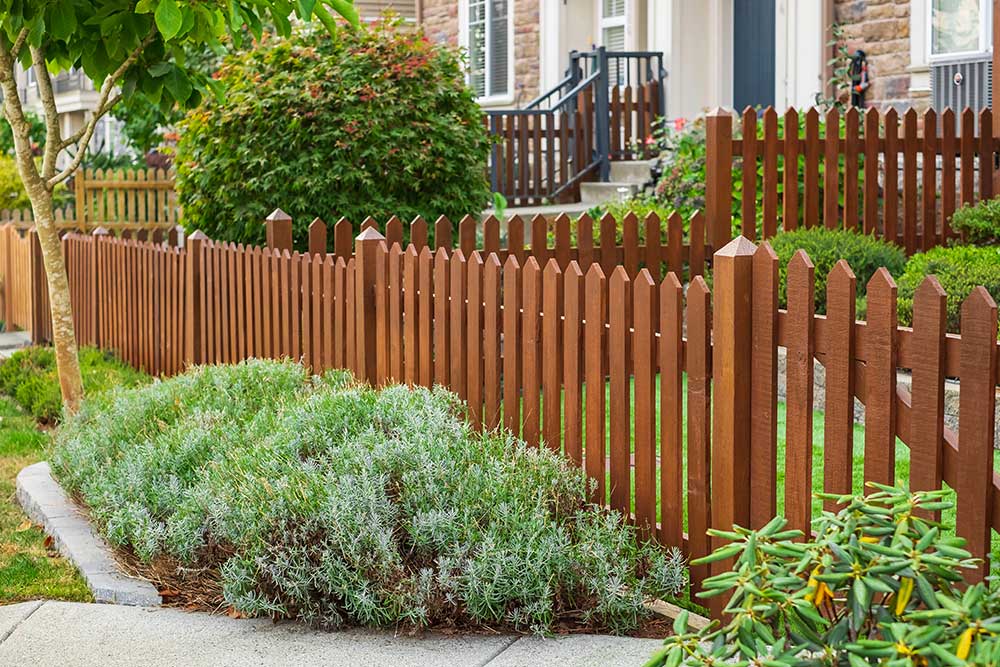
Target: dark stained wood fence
(521, 337)
(898, 177)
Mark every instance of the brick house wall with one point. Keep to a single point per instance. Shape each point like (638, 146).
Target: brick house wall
(881, 28)
(441, 23)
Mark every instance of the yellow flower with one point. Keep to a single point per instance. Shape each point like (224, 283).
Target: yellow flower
(820, 591)
(965, 643)
(904, 594)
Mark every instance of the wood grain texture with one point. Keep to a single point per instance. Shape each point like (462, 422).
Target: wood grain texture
(799, 412)
(880, 380)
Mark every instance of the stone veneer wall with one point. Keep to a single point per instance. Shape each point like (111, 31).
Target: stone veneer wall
(440, 22)
(881, 28)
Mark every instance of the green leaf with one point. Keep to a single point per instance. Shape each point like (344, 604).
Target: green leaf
(168, 19)
(63, 22)
(145, 7)
(178, 85)
(160, 69)
(306, 9)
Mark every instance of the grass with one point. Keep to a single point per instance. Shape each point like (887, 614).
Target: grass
(902, 459)
(28, 570)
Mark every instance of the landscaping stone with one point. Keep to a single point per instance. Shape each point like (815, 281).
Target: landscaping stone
(47, 504)
(12, 341)
(49, 633)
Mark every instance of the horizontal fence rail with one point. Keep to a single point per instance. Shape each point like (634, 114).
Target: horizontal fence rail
(899, 178)
(666, 396)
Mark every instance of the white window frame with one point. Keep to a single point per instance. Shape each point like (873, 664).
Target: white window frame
(604, 22)
(985, 34)
(463, 36)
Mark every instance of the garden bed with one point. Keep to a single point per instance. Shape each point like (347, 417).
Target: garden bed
(259, 489)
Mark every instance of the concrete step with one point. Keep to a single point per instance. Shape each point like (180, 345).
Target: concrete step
(631, 171)
(599, 193)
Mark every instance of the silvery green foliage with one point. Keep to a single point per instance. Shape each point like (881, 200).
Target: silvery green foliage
(320, 499)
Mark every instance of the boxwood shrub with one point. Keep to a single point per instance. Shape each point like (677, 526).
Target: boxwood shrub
(30, 377)
(959, 269)
(826, 247)
(979, 224)
(373, 121)
(320, 499)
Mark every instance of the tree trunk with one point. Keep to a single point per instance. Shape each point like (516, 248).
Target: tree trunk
(63, 333)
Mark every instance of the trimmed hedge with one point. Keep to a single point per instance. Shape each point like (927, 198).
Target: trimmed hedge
(825, 247)
(323, 500)
(375, 121)
(30, 377)
(959, 269)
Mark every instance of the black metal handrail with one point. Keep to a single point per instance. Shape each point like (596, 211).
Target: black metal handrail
(595, 73)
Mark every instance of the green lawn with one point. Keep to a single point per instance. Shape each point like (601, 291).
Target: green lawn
(28, 570)
(902, 459)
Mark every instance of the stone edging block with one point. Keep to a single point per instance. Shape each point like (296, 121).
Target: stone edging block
(46, 504)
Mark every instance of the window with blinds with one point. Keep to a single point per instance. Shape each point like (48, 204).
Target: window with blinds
(489, 52)
(613, 24)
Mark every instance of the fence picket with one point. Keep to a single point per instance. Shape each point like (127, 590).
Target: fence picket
(880, 380)
(799, 403)
(699, 439)
(644, 347)
(595, 309)
(838, 427)
(531, 303)
(552, 287)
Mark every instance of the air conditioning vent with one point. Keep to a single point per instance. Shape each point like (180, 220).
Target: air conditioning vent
(961, 84)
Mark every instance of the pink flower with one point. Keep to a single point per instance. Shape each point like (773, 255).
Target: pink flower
(679, 123)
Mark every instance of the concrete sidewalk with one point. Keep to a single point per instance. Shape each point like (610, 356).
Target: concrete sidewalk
(68, 633)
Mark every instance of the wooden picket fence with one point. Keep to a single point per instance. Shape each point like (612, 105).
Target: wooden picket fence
(520, 337)
(900, 179)
(124, 201)
(18, 266)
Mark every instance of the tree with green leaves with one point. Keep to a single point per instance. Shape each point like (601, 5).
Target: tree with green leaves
(127, 48)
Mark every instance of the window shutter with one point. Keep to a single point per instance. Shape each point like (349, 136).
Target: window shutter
(477, 46)
(613, 8)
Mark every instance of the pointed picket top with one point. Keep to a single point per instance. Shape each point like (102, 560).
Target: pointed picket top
(929, 291)
(552, 269)
(968, 116)
(948, 118)
(698, 288)
(584, 219)
(394, 228)
(840, 275)
(411, 252)
(619, 277)
(562, 219)
(832, 118)
(812, 115)
(672, 282)
(608, 220)
(491, 220)
(198, 235)
(342, 222)
(596, 274)
(630, 218)
(573, 271)
(492, 262)
(749, 114)
(466, 221)
(930, 120)
(852, 115)
(738, 247)
(979, 310)
(331, 262)
(531, 264)
(910, 116)
(644, 281)
(441, 255)
(676, 220)
(800, 262)
(457, 255)
(720, 111)
(765, 253)
(369, 233)
(425, 253)
(871, 116)
(652, 219)
(277, 215)
(101, 231)
(881, 281)
(791, 120)
(317, 222)
(511, 267)
(369, 222)
(986, 121)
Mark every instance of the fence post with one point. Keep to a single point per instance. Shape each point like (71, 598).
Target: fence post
(95, 286)
(194, 308)
(80, 207)
(719, 177)
(279, 230)
(602, 111)
(38, 288)
(367, 245)
(8, 277)
(731, 369)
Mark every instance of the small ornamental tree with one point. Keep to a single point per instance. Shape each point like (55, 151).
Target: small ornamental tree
(372, 122)
(127, 48)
